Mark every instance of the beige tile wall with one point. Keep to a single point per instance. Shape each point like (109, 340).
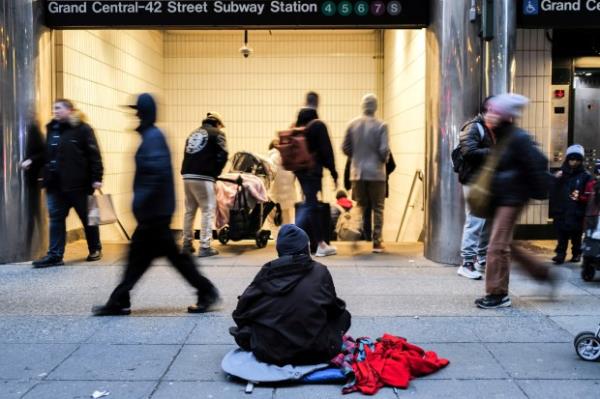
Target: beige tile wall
(99, 70)
(404, 110)
(257, 96)
(533, 79)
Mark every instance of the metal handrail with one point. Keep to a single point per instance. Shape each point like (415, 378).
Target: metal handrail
(418, 175)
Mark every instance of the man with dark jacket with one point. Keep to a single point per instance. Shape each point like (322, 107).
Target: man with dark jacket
(319, 144)
(290, 313)
(204, 158)
(521, 174)
(72, 171)
(475, 142)
(567, 204)
(153, 207)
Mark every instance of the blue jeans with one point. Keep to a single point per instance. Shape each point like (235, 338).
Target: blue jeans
(476, 235)
(59, 205)
(308, 218)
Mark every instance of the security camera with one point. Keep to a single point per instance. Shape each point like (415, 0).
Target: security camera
(245, 51)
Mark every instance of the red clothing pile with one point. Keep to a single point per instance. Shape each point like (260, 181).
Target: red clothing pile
(393, 362)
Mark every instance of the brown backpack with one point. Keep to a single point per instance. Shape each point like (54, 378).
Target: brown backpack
(293, 147)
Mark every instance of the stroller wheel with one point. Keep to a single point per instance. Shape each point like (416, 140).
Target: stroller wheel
(587, 346)
(262, 238)
(588, 271)
(223, 235)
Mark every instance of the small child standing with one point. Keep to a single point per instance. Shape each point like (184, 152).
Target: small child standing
(568, 203)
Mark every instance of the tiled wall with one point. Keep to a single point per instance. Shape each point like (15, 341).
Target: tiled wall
(260, 95)
(404, 111)
(533, 79)
(99, 70)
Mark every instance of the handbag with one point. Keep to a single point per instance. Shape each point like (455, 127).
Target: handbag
(479, 199)
(101, 210)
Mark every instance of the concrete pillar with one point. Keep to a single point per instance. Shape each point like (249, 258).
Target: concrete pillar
(22, 227)
(499, 53)
(452, 95)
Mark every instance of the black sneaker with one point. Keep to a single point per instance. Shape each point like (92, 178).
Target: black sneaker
(187, 249)
(575, 259)
(493, 302)
(47, 261)
(94, 256)
(206, 252)
(206, 304)
(558, 259)
(110, 310)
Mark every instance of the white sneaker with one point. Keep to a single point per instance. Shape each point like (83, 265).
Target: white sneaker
(325, 251)
(480, 266)
(468, 270)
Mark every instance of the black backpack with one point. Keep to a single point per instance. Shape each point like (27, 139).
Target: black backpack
(458, 162)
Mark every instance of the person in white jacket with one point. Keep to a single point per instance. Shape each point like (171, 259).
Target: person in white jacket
(283, 189)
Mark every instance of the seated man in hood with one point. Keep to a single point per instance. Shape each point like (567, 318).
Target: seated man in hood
(290, 313)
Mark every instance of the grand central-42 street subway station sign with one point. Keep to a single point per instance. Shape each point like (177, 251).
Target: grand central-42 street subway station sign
(255, 14)
(575, 14)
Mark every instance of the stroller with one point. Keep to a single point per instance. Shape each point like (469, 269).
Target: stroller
(591, 241)
(587, 345)
(245, 222)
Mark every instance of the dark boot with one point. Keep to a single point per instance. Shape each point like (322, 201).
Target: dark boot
(558, 259)
(47, 261)
(205, 303)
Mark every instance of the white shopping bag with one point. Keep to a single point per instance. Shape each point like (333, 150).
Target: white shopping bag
(101, 210)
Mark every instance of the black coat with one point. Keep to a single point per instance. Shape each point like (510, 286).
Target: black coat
(77, 156)
(522, 172)
(473, 148)
(290, 313)
(153, 189)
(205, 153)
(567, 213)
(319, 143)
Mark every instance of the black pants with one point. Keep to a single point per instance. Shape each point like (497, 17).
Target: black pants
(563, 240)
(151, 241)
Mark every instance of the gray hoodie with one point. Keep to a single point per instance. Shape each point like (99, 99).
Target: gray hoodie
(367, 143)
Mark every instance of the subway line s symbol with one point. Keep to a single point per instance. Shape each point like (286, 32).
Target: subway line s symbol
(531, 7)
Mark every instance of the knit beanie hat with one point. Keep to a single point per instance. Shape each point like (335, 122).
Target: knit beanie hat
(292, 240)
(369, 103)
(508, 105)
(575, 151)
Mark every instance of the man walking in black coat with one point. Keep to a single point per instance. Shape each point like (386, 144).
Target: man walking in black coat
(290, 313)
(72, 171)
(153, 207)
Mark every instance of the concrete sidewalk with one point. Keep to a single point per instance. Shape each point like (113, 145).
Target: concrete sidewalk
(51, 348)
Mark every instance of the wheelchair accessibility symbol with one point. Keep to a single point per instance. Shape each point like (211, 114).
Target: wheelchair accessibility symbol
(531, 7)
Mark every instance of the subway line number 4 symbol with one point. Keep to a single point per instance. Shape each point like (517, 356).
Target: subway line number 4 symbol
(153, 7)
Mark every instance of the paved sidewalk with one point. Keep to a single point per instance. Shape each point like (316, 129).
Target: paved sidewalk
(51, 348)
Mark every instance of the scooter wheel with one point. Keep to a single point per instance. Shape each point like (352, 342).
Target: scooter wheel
(224, 235)
(587, 346)
(588, 272)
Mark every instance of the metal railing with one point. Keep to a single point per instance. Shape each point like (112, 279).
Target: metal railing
(419, 175)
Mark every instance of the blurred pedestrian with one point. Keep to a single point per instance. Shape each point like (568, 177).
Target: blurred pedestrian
(476, 139)
(153, 207)
(283, 188)
(520, 174)
(308, 217)
(204, 158)
(367, 143)
(72, 171)
(568, 203)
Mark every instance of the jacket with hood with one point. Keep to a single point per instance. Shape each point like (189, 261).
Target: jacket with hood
(522, 171)
(367, 143)
(290, 313)
(319, 143)
(153, 190)
(205, 153)
(567, 213)
(474, 149)
(72, 159)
